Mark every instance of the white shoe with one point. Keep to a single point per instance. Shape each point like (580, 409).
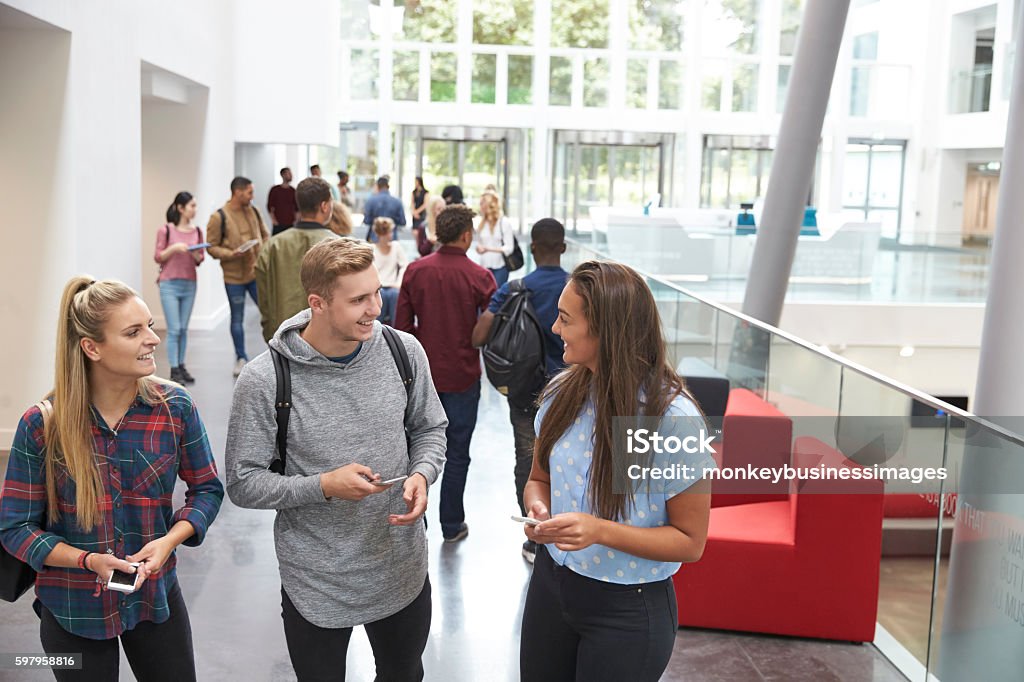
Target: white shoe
(239, 364)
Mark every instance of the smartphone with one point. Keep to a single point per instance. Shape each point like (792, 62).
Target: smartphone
(390, 481)
(528, 521)
(123, 582)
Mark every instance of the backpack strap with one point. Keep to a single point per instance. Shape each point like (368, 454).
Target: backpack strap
(283, 407)
(401, 357)
(516, 285)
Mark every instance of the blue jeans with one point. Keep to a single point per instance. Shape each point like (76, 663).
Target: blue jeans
(177, 297)
(500, 275)
(388, 300)
(460, 409)
(236, 299)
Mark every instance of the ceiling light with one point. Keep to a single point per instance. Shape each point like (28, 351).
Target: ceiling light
(907, 351)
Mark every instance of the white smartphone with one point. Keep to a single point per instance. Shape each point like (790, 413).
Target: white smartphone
(524, 519)
(123, 582)
(390, 481)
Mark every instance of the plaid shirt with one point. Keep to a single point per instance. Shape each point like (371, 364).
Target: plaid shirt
(137, 464)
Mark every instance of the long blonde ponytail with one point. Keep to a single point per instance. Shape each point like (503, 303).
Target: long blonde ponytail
(85, 307)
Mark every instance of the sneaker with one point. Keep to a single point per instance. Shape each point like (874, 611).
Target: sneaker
(239, 364)
(460, 535)
(530, 551)
(189, 379)
(176, 375)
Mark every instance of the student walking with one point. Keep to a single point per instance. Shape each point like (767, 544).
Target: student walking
(601, 605)
(89, 491)
(495, 238)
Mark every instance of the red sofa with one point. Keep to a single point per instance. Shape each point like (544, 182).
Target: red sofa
(806, 565)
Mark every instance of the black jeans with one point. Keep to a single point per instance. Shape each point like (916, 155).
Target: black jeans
(577, 628)
(524, 436)
(397, 641)
(155, 651)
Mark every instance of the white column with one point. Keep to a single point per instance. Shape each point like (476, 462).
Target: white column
(540, 161)
(793, 167)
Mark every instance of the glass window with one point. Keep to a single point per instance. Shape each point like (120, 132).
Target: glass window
(359, 157)
(792, 16)
(579, 23)
(365, 65)
(560, 81)
(636, 83)
(355, 19)
(734, 170)
(731, 25)
(509, 22)
(855, 174)
(442, 76)
(711, 85)
(406, 82)
(670, 85)
(429, 21)
(782, 87)
(520, 79)
(744, 88)
(865, 46)
(485, 68)
(656, 25)
(873, 183)
(595, 82)
(886, 169)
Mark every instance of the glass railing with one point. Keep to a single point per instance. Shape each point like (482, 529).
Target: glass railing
(970, 91)
(950, 602)
(848, 263)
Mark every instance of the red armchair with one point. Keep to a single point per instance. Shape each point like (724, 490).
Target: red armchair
(805, 566)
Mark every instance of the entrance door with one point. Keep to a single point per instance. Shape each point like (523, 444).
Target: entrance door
(981, 195)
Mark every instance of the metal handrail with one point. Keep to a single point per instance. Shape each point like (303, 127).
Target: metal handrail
(909, 391)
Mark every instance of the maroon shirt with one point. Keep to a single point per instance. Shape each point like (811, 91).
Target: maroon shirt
(282, 203)
(441, 297)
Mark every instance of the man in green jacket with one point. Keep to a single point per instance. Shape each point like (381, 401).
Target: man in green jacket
(278, 285)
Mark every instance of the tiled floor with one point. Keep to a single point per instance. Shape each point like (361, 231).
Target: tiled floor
(231, 583)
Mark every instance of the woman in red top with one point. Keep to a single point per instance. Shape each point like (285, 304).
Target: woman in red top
(177, 278)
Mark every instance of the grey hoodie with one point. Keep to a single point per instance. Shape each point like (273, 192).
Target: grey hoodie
(341, 563)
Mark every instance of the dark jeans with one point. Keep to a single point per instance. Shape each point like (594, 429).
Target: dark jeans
(500, 275)
(524, 436)
(155, 651)
(460, 409)
(278, 229)
(397, 641)
(577, 628)
(388, 301)
(236, 300)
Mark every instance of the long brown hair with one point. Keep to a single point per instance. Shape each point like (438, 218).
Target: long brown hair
(85, 307)
(622, 315)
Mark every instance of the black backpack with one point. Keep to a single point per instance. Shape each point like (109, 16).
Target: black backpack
(283, 398)
(514, 353)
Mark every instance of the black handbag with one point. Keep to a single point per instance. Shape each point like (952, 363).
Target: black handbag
(514, 260)
(16, 577)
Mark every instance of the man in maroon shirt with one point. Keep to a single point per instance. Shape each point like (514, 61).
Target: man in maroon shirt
(441, 297)
(281, 203)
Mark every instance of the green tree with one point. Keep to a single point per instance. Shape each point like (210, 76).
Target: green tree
(656, 24)
(579, 23)
(509, 22)
(430, 21)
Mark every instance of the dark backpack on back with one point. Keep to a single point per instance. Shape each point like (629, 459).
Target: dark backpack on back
(283, 397)
(514, 353)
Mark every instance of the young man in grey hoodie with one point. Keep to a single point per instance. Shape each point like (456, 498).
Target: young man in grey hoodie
(351, 552)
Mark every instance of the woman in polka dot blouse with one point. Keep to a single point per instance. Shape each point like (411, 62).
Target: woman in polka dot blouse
(601, 605)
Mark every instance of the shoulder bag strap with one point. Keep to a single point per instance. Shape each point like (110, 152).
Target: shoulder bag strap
(223, 225)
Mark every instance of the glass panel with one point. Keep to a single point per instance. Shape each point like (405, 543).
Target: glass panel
(520, 79)
(886, 169)
(711, 85)
(440, 163)
(743, 177)
(731, 25)
(428, 21)
(656, 25)
(361, 150)
(742, 353)
(355, 19)
(670, 87)
(782, 88)
(744, 88)
(442, 76)
(628, 173)
(860, 90)
(503, 23)
(365, 71)
(480, 168)
(593, 179)
(715, 179)
(406, 83)
(855, 175)
(579, 24)
(485, 67)
(792, 15)
(636, 83)
(595, 82)
(865, 46)
(560, 81)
